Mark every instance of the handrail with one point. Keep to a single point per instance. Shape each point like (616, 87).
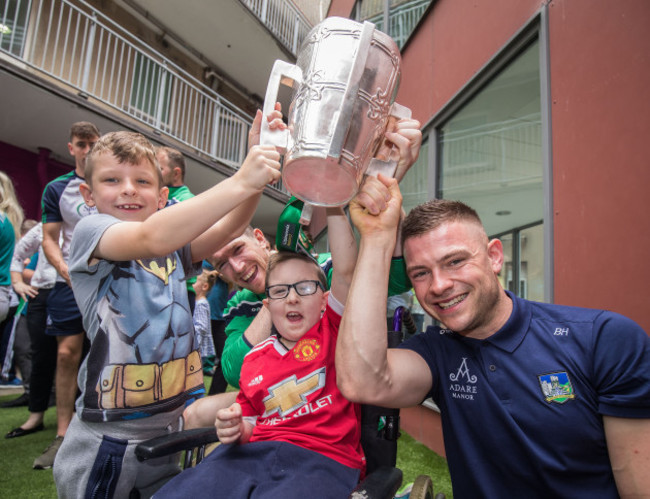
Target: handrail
(283, 19)
(80, 47)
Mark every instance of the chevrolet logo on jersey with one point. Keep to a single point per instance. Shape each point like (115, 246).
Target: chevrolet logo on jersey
(291, 394)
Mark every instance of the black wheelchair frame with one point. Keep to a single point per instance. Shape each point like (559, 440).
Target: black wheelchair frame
(379, 434)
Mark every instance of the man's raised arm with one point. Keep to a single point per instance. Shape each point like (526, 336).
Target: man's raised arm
(366, 371)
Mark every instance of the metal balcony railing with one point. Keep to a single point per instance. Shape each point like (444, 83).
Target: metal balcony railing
(283, 19)
(78, 46)
(489, 156)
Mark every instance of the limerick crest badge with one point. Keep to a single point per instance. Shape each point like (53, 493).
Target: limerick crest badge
(556, 387)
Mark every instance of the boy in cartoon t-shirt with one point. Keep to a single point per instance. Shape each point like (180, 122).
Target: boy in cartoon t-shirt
(128, 266)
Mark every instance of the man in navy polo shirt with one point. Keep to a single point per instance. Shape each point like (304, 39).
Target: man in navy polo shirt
(536, 400)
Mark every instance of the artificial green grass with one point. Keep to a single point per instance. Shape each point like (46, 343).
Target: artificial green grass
(18, 479)
(414, 459)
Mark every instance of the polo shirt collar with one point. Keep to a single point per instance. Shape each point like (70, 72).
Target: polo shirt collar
(513, 332)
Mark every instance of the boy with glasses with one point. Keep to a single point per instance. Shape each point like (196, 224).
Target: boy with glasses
(291, 433)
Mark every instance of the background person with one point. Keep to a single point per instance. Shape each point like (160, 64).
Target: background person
(201, 318)
(11, 218)
(43, 346)
(172, 167)
(217, 297)
(63, 207)
(18, 353)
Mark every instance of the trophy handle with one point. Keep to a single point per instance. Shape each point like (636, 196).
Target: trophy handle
(388, 166)
(282, 73)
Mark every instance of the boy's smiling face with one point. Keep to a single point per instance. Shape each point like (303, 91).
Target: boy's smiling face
(129, 192)
(294, 315)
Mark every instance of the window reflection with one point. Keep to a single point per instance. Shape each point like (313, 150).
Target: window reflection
(402, 15)
(490, 157)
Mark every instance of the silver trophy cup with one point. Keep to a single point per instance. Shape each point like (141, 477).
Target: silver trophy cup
(344, 85)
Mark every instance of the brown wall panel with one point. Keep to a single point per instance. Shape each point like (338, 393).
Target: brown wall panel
(600, 70)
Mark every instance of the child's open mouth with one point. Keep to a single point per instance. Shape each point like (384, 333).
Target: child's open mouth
(294, 317)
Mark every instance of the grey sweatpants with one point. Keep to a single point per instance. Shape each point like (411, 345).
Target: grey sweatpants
(99, 458)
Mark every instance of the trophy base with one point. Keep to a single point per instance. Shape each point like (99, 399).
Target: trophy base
(320, 181)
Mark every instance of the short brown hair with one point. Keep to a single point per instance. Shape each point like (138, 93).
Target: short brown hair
(175, 158)
(210, 277)
(127, 147)
(27, 225)
(83, 130)
(285, 256)
(434, 213)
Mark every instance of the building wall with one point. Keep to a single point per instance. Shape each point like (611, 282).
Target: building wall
(600, 70)
(30, 172)
(600, 86)
(451, 46)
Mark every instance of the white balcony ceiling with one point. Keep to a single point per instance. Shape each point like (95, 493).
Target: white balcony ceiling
(225, 32)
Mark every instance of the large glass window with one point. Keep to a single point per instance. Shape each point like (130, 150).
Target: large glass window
(414, 185)
(401, 16)
(523, 267)
(490, 157)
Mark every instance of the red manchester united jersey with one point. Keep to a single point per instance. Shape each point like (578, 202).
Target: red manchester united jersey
(291, 395)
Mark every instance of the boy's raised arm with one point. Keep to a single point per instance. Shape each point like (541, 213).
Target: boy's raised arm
(169, 229)
(372, 197)
(343, 247)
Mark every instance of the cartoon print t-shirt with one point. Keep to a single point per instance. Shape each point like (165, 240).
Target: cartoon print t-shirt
(144, 357)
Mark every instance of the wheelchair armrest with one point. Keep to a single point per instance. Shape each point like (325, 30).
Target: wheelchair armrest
(175, 442)
(381, 483)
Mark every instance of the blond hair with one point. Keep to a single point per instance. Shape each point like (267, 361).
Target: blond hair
(210, 277)
(9, 203)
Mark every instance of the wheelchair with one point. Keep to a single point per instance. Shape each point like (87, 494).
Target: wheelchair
(379, 434)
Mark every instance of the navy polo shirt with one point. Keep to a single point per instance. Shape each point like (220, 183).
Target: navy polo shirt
(522, 410)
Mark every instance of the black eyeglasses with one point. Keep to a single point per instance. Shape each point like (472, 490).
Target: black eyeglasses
(303, 288)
